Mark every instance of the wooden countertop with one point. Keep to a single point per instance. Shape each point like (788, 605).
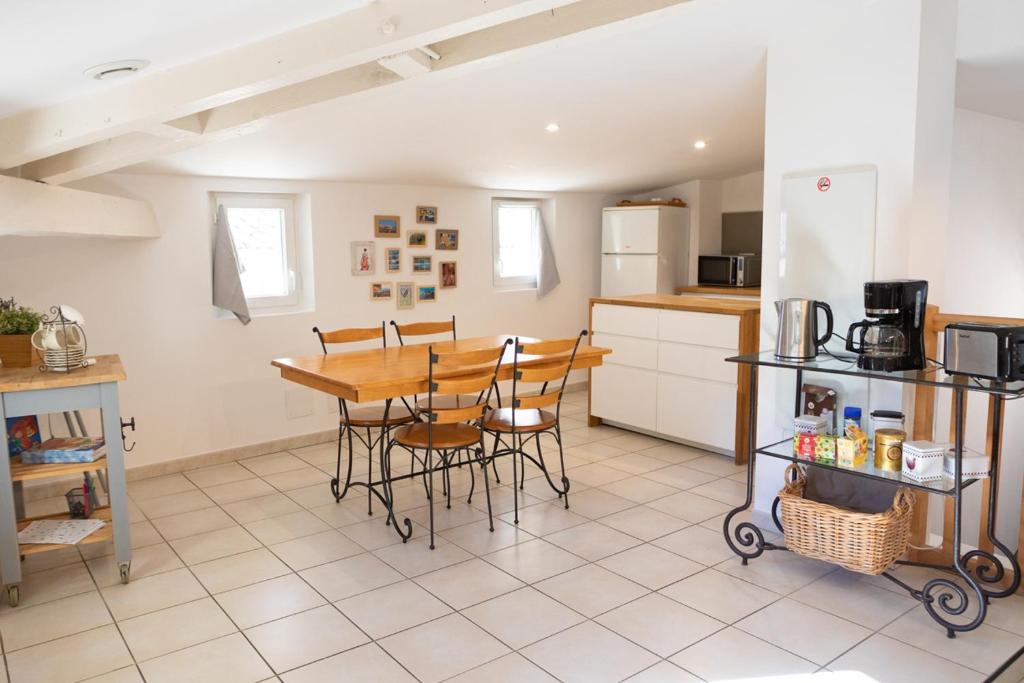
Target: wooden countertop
(107, 369)
(712, 289)
(684, 302)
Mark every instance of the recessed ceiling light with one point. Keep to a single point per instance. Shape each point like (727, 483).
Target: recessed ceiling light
(552, 127)
(114, 70)
(700, 144)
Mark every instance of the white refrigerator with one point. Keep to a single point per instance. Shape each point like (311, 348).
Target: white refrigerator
(644, 249)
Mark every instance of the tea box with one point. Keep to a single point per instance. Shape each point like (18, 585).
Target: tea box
(923, 460)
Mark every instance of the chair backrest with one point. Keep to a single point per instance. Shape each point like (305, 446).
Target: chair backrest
(423, 329)
(466, 372)
(557, 356)
(351, 334)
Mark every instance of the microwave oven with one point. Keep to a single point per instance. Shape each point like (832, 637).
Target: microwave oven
(738, 270)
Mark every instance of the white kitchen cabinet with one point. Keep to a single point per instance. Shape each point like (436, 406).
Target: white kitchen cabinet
(667, 373)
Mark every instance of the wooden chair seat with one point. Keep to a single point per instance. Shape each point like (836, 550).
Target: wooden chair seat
(373, 416)
(527, 420)
(442, 402)
(446, 436)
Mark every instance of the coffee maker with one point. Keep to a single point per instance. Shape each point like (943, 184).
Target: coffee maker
(892, 338)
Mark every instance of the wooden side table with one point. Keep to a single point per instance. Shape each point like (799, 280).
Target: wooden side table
(27, 391)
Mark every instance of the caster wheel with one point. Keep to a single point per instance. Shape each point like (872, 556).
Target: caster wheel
(13, 595)
(124, 569)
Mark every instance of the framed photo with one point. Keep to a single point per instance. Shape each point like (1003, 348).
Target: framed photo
(387, 226)
(362, 258)
(422, 264)
(417, 238)
(426, 293)
(446, 240)
(380, 291)
(449, 274)
(392, 260)
(426, 214)
(406, 290)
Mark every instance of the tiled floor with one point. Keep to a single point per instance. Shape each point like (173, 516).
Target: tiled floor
(250, 571)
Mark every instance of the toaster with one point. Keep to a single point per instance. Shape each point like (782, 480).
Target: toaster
(985, 350)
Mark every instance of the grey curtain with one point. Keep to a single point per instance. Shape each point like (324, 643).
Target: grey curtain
(227, 284)
(547, 269)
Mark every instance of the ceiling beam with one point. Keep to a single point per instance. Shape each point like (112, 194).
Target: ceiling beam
(29, 208)
(340, 42)
(249, 114)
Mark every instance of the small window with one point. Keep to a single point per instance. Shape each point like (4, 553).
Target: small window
(516, 238)
(263, 230)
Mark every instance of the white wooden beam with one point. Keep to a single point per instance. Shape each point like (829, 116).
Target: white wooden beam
(31, 208)
(307, 52)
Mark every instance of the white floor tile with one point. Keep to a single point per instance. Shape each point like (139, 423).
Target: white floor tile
(273, 463)
(659, 624)
(206, 477)
(264, 507)
(477, 538)
(148, 561)
(427, 650)
(733, 654)
(640, 489)
(350, 576)
(214, 544)
(650, 566)
(73, 658)
(152, 593)
(512, 668)
(175, 503)
(843, 594)
(27, 626)
(593, 540)
(595, 502)
(591, 590)
(534, 560)
(310, 551)
(175, 628)
(698, 544)
(780, 572)
(690, 507)
(719, 595)
(52, 584)
(663, 672)
(587, 653)
(983, 649)
(644, 523)
(286, 527)
(230, 659)
(884, 659)
(393, 608)
(522, 617)
(803, 630)
(191, 523)
(468, 583)
(159, 486)
(416, 557)
(302, 638)
(367, 663)
(239, 570)
(268, 600)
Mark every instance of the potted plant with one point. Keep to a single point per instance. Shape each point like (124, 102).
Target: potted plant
(17, 324)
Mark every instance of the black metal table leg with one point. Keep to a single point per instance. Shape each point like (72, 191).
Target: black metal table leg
(747, 535)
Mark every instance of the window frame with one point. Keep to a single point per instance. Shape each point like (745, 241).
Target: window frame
(286, 203)
(518, 282)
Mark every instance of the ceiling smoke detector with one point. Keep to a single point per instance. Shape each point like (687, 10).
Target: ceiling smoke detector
(114, 70)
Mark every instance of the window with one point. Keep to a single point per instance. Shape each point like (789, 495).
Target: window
(516, 238)
(263, 230)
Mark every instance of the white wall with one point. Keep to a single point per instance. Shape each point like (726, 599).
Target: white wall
(198, 384)
(743, 193)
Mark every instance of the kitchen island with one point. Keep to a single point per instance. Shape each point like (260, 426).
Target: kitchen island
(667, 375)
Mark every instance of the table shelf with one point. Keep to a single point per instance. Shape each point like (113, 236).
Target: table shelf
(22, 472)
(783, 450)
(105, 533)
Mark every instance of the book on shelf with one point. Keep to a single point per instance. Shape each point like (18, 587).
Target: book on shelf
(65, 450)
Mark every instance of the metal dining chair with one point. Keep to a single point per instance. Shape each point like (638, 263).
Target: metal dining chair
(445, 431)
(530, 415)
(350, 421)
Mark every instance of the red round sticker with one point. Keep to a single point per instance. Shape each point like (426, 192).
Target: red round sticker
(824, 183)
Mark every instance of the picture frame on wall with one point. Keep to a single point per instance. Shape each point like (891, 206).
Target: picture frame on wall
(446, 240)
(417, 238)
(380, 291)
(363, 262)
(392, 260)
(426, 214)
(449, 274)
(406, 293)
(422, 264)
(387, 226)
(426, 293)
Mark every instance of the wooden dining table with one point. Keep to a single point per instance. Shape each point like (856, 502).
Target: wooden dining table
(386, 374)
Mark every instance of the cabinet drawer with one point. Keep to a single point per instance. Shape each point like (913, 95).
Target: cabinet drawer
(702, 362)
(703, 329)
(625, 395)
(697, 410)
(632, 351)
(628, 321)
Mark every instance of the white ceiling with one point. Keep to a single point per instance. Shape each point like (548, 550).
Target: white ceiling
(990, 57)
(45, 45)
(630, 100)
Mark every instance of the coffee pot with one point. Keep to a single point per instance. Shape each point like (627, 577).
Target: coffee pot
(798, 337)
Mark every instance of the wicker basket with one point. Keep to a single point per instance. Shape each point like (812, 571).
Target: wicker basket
(859, 541)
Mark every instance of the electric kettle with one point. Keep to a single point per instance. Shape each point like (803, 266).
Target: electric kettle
(798, 337)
